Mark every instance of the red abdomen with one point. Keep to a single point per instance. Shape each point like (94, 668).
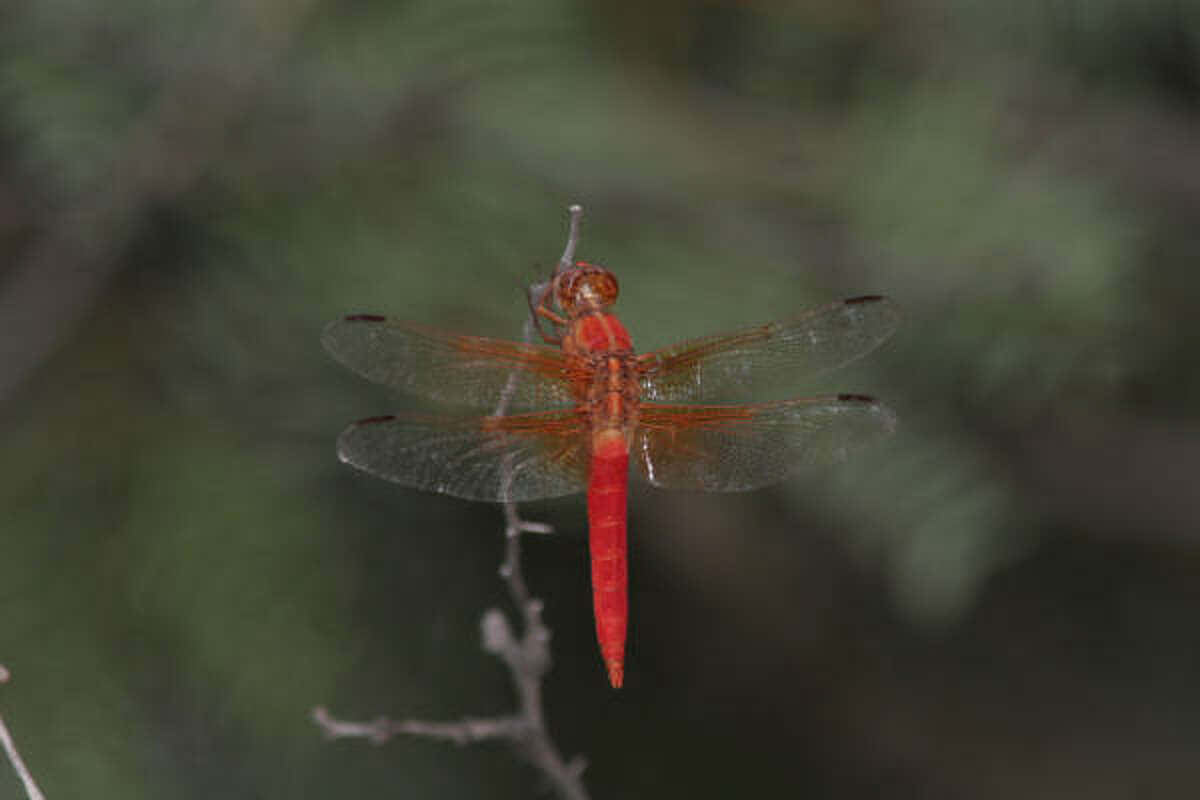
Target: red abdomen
(607, 490)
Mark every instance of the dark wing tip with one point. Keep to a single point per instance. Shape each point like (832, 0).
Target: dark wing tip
(885, 415)
(375, 420)
(334, 334)
(346, 453)
(885, 316)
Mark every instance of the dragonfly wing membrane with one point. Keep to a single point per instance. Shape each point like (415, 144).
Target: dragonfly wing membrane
(463, 370)
(742, 447)
(751, 361)
(500, 459)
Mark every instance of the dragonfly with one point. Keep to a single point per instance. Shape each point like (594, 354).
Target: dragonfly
(581, 406)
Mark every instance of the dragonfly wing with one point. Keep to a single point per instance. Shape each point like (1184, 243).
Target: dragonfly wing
(464, 370)
(748, 362)
(502, 459)
(741, 447)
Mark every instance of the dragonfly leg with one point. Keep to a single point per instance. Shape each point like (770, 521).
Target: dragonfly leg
(539, 311)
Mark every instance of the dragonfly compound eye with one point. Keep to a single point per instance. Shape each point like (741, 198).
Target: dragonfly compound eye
(587, 286)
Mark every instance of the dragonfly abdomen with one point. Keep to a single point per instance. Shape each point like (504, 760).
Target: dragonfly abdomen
(608, 486)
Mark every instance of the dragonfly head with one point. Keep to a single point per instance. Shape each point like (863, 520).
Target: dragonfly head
(585, 287)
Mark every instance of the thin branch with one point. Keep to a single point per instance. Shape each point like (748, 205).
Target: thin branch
(464, 732)
(568, 256)
(537, 292)
(527, 656)
(14, 757)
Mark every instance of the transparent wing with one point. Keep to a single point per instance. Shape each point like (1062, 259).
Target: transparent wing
(736, 448)
(502, 459)
(750, 362)
(464, 370)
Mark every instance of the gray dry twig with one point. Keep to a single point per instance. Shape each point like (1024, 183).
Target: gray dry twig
(14, 756)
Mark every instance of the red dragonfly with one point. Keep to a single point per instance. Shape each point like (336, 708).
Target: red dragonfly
(591, 403)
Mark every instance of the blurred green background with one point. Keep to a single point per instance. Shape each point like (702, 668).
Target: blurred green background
(999, 602)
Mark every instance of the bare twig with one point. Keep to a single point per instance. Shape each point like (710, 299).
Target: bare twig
(379, 731)
(568, 256)
(527, 656)
(536, 293)
(14, 757)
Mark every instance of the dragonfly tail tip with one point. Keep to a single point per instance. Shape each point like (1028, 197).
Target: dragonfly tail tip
(616, 674)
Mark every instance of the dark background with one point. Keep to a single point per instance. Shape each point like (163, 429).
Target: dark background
(999, 602)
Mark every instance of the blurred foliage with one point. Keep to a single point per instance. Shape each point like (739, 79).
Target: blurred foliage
(187, 570)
